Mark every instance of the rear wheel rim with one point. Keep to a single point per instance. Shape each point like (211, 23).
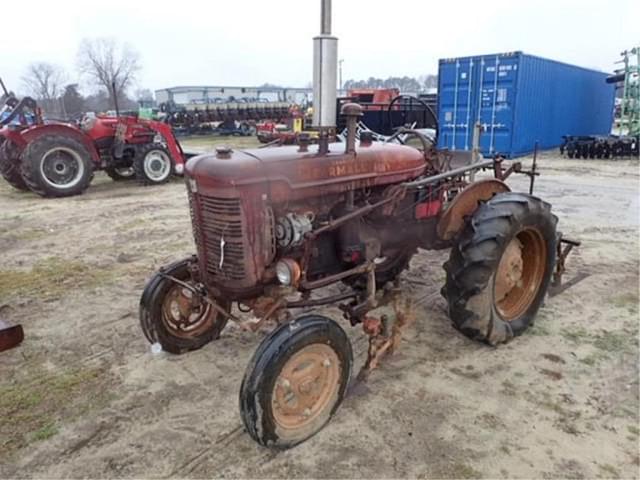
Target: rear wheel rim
(184, 315)
(520, 274)
(62, 167)
(306, 387)
(157, 165)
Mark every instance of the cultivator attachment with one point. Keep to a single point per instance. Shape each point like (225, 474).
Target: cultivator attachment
(564, 248)
(10, 336)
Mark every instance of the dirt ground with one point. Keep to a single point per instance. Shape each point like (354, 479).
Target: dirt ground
(84, 396)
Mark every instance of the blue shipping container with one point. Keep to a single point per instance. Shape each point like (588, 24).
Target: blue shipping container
(519, 100)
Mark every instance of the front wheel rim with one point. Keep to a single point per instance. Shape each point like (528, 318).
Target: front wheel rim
(306, 387)
(186, 316)
(62, 167)
(157, 165)
(520, 273)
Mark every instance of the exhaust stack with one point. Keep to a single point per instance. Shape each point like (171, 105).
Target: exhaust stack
(325, 68)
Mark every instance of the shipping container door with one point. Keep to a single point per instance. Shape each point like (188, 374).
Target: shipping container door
(456, 86)
(497, 92)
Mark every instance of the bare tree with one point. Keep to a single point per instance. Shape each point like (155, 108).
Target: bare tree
(107, 63)
(45, 81)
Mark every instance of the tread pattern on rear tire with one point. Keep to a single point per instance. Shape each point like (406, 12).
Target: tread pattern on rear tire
(10, 167)
(30, 165)
(474, 260)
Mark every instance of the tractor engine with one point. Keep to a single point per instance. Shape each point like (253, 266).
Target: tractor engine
(254, 211)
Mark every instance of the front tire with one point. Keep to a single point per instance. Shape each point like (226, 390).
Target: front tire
(153, 164)
(500, 268)
(295, 381)
(57, 166)
(175, 318)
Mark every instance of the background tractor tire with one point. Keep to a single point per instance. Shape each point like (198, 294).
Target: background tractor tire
(162, 317)
(56, 166)
(500, 268)
(10, 166)
(153, 164)
(317, 353)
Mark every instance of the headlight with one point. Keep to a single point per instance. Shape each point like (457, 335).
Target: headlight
(288, 271)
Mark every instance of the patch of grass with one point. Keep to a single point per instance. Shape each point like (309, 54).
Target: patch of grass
(30, 409)
(609, 471)
(210, 141)
(45, 432)
(628, 301)
(576, 335)
(49, 278)
(634, 430)
(538, 330)
(593, 358)
(462, 470)
(611, 341)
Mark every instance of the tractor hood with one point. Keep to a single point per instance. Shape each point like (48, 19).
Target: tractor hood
(286, 173)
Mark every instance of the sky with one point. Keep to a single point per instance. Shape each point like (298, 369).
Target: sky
(251, 42)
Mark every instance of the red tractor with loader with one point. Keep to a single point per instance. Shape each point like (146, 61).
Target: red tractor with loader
(274, 227)
(56, 159)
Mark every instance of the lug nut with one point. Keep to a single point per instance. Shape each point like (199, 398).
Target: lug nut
(286, 384)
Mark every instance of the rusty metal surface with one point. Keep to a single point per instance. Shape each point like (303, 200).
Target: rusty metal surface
(564, 247)
(465, 204)
(306, 387)
(10, 336)
(509, 273)
(385, 334)
(294, 175)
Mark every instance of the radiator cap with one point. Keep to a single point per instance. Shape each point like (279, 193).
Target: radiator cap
(223, 152)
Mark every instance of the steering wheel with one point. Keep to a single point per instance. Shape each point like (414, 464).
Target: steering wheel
(411, 98)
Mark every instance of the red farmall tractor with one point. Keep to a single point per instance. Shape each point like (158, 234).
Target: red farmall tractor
(273, 227)
(55, 159)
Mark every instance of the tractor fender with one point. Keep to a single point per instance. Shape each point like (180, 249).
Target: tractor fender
(37, 131)
(465, 203)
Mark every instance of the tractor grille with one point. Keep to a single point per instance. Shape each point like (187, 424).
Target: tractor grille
(219, 218)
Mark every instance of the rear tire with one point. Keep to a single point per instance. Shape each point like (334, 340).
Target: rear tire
(56, 166)
(295, 381)
(500, 268)
(10, 166)
(170, 316)
(153, 164)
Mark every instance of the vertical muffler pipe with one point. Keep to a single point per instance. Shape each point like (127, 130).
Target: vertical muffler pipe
(325, 73)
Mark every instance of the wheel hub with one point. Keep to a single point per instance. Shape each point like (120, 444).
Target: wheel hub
(184, 314)
(520, 273)
(509, 272)
(305, 386)
(157, 165)
(61, 167)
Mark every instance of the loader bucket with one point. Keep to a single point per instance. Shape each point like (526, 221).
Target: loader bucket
(10, 336)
